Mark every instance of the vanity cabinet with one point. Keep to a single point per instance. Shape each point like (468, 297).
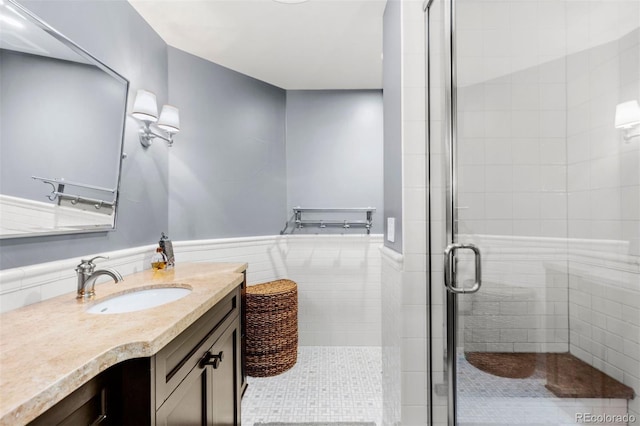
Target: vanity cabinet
(207, 395)
(196, 379)
(198, 375)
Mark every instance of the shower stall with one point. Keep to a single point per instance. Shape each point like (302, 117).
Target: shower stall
(534, 210)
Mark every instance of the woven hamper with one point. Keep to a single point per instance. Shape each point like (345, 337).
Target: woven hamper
(272, 328)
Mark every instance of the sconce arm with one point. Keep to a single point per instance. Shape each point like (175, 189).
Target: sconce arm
(627, 135)
(147, 135)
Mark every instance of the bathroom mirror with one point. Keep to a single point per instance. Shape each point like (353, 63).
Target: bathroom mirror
(62, 116)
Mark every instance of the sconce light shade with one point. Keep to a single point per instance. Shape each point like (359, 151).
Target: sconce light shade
(627, 115)
(145, 107)
(169, 119)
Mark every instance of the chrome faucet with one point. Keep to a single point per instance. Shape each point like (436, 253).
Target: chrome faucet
(87, 276)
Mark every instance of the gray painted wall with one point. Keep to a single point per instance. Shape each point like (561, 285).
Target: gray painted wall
(334, 152)
(227, 166)
(59, 119)
(227, 173)
(392, 49)
(114, 33)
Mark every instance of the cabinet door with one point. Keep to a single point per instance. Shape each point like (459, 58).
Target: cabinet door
(210, 393)
(188, 404)
(226, 379)
(91, 404)
(176, 360)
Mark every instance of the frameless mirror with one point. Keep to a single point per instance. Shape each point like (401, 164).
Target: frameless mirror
(62, 116)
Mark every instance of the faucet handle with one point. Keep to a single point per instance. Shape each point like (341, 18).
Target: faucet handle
(90, 261)
(88, 265)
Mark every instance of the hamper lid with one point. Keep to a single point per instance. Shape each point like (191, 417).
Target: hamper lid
(272, 287)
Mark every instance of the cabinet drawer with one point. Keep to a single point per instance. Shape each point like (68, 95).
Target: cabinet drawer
(181, 355)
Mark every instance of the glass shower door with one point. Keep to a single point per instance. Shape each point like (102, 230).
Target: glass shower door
(535, 223)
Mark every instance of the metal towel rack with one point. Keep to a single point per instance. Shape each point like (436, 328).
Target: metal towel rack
(324, 223)
(58, 186)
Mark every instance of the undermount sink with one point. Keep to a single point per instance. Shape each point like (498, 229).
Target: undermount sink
(139, 300)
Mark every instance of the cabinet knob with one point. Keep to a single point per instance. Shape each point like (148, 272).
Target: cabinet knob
(211, 359)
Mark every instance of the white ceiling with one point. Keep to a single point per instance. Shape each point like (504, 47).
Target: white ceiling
(319, 44)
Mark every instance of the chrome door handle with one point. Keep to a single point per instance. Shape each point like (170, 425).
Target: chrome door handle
(449, 273)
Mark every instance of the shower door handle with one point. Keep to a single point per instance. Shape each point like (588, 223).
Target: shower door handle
(450, 273)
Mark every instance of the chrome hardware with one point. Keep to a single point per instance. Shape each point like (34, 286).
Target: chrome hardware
(147, 135)
(450, 273)
(87, 276)
(211, 359)
(300, 223)
(58, 186)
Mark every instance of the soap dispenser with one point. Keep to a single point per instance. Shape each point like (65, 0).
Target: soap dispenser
(159, 260)
(167, 249)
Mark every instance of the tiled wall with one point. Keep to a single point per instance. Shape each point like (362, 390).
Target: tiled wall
(523, 303)
(603, 69)
(512, 173)
(603, 171)
(547, 188)
(339, 287)
(511, 151)
(391, 293)
(414, 366)
(605, 318)
(338, 279)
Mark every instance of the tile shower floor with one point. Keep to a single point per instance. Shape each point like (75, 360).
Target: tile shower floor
(485, 399)
(327, 384)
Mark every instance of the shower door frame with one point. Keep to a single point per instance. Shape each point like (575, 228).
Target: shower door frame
(451, 192)
(451, 188)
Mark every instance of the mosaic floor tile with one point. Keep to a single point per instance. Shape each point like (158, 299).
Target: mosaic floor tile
(343, 384)
(327, 384)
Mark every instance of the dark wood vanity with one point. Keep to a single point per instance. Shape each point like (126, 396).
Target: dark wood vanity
(196, 379)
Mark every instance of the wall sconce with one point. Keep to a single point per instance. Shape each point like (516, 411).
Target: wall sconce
(628, 117)
(145, 109)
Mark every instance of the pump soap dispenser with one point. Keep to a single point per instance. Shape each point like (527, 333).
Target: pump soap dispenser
(167, 248)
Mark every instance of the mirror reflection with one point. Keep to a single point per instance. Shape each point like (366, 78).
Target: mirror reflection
(62, 119)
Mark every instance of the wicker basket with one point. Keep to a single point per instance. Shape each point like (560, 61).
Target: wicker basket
(272, 328)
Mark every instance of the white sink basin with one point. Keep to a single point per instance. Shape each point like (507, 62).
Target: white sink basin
(139, 300)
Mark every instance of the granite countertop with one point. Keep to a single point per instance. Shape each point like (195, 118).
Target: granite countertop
(49, 349)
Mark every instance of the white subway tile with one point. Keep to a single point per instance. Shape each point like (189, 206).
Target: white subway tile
(525, 96)
(414, 171)
(499, 178)
(414, 355)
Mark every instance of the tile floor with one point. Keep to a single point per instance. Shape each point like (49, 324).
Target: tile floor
(330, 384)
(327, 384)
(487, 399)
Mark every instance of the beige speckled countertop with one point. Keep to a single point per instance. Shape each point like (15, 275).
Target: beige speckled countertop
(49, 349)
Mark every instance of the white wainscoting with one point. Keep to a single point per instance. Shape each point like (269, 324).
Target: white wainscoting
(21, 216)
(338, 279)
